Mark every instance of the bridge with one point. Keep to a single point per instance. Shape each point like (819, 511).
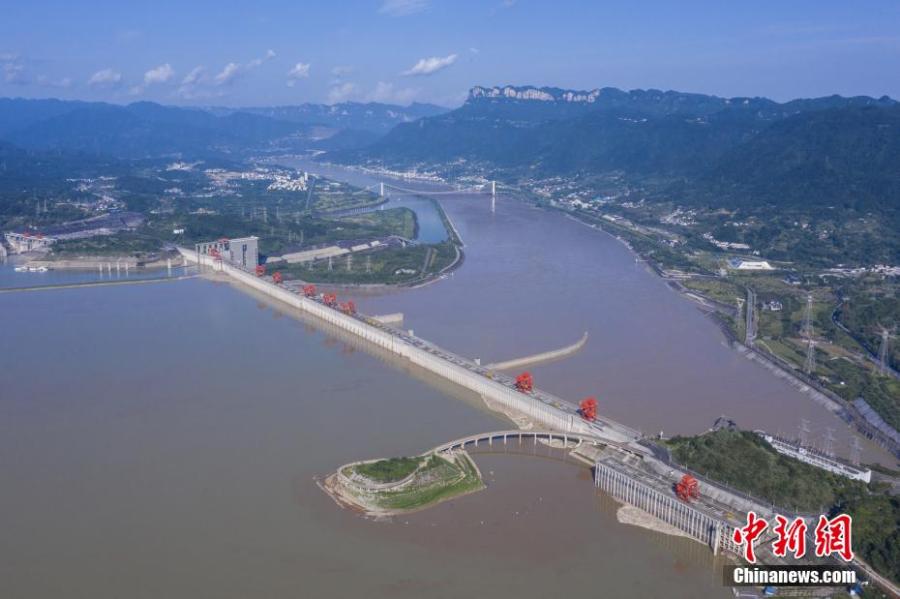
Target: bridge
(476, 190)
(516, 435)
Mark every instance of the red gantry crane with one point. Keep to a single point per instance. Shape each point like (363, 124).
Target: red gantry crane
(588, 408)
(309, 290)
(277, 278)
(525, 382)
(687, 488)
(348, 307)
(260, 270)
(329, 299)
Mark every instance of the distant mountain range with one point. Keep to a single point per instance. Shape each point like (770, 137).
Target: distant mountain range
(147, 130)
(740, 149)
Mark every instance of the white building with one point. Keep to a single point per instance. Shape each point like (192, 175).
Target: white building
(814, 458)
(741, 264)
(242, 252)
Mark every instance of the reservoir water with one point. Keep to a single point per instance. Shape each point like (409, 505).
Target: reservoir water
(164, 440)
(535, 280)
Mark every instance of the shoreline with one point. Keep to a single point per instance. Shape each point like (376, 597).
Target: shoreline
(835, 404)
(365, 499)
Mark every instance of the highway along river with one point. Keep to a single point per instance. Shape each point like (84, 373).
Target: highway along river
(163, 440)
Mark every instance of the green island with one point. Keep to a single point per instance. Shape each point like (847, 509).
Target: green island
(746, 462)
(393, 486)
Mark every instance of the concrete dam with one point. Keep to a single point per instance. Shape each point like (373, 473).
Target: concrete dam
(625, 466)
(539, 406)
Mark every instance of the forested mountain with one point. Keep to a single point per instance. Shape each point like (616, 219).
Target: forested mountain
(147, 129)
(370, 117)
(847, 156)
(832, 149)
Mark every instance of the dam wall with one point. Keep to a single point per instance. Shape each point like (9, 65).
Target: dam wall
(539, 412)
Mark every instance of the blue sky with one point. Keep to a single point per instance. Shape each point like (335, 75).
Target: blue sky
(284, 52)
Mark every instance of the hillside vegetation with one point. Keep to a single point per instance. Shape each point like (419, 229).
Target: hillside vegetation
(745, 461)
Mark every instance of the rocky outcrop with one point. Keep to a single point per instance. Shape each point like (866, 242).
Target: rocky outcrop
(542, 94)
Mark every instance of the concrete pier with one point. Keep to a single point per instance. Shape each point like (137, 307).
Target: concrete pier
(546, 356)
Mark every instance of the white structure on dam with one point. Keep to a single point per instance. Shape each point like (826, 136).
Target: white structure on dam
(542, 408)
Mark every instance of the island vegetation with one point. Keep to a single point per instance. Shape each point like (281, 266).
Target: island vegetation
(398, 485)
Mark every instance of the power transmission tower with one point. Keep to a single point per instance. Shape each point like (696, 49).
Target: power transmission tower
(883, 350)
(349, 262)
(368, 264)
(810, 365)
(750, 325)
(330, 266)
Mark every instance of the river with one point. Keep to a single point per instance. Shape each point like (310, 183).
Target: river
(535, 280)
(163, 440)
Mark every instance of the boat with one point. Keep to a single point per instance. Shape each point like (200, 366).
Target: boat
(21, 269)
(37, 269)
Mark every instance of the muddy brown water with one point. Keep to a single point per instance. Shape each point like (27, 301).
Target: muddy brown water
(163, 441)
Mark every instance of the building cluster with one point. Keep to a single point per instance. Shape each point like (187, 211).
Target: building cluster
(725, 245)
(284, 182)
(278, 179)
(878, 269)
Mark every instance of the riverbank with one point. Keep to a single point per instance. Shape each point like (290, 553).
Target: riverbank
(389, 487)
(105, 263)
(436, 264)
(720, 313)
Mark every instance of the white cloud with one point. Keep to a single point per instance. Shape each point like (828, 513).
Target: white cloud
(402, 8)
(161, 74)
(195, 76)
(297, 72)
(233, 69)
(342, 92)
(342, 70)
(227, 74)
(270, 54)
(191, 82)
(388, 94)
(105, 78)
(427, 66)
